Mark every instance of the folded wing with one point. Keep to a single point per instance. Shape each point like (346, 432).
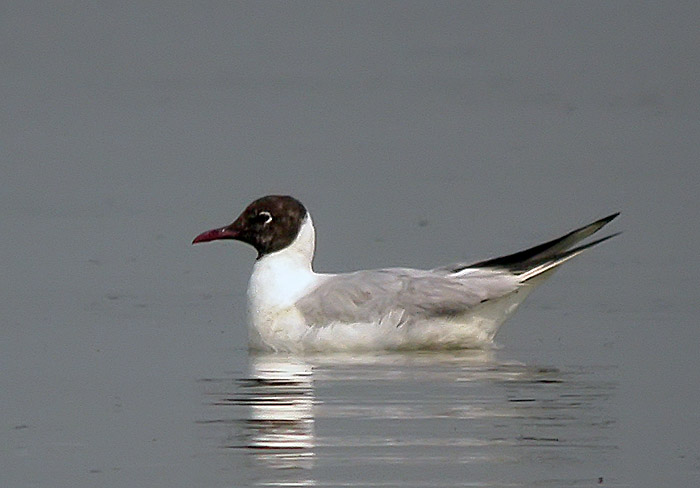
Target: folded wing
(406, 294)
(410, 295)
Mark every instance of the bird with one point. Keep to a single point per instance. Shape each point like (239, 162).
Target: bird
(292, 308)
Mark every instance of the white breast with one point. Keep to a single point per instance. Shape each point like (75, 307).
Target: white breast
(278, 281)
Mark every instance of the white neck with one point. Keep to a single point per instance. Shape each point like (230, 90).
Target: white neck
(302, 247)
(280, 278)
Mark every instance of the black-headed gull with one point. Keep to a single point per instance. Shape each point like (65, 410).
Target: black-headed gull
(293, 308)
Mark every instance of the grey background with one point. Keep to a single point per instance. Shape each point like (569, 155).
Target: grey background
(416, 133)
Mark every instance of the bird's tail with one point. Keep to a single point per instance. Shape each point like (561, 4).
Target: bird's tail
(544, 257)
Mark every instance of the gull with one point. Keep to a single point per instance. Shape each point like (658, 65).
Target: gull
(294, 309)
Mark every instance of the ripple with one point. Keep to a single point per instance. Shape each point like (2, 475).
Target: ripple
(438, 412)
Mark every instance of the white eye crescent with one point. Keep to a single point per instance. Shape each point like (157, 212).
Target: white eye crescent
(268, 217)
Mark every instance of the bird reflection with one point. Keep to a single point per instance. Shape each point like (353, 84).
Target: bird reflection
(281, 399)
(272, 409)
(415, 411)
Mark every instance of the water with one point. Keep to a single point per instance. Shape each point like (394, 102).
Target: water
(421, 419)
(417, 135)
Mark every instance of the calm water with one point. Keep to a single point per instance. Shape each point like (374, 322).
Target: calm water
(417, 134)
(419, 419)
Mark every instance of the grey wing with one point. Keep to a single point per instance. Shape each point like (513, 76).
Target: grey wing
(362, 296)
(405, 294)
(437, 294)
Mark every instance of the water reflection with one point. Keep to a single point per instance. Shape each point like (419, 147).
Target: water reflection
(426, 418)
(278, 425)
(281, 425)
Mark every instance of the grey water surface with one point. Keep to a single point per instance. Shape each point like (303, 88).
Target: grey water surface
(417, 134)
(415, 419)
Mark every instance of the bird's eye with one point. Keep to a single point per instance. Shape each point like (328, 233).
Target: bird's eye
(264, 217)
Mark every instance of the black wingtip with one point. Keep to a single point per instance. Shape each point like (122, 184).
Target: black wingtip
(593, 243)
(610, 217)
(547, 264)
(546, 250)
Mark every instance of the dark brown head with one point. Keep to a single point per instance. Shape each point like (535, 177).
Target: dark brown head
(269, 224)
